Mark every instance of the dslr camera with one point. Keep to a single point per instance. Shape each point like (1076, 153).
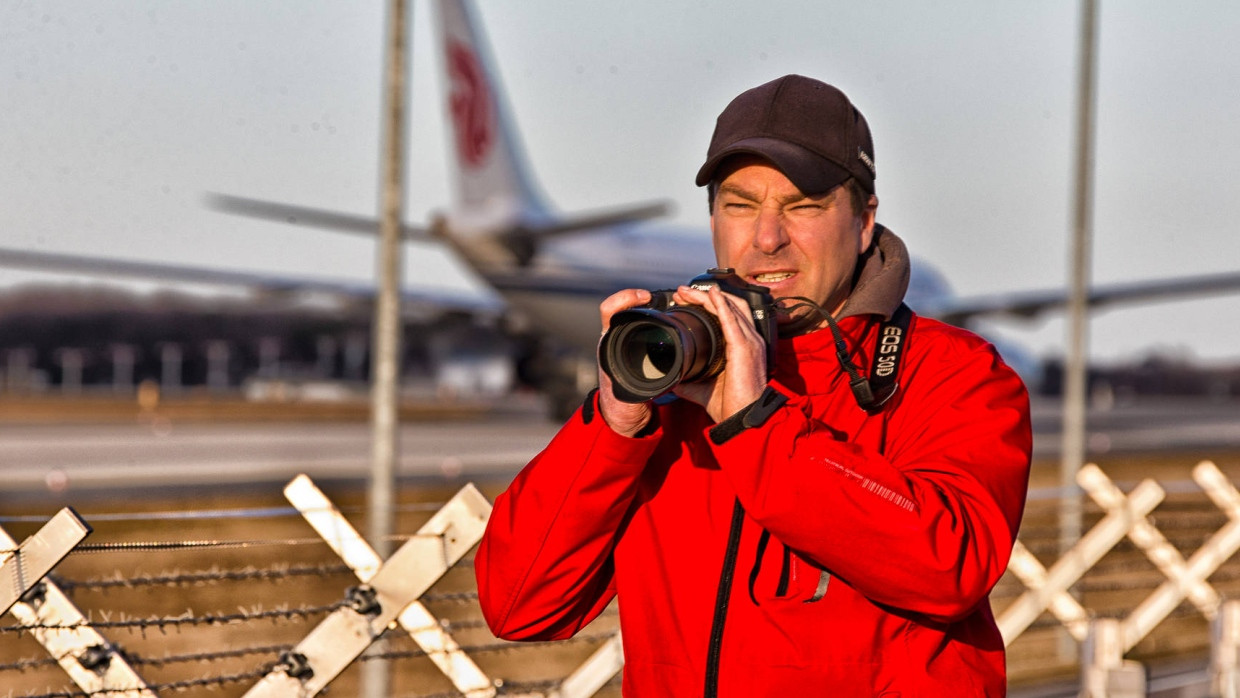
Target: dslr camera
(647, 351)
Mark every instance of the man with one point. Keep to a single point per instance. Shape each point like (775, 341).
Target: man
(817, 531)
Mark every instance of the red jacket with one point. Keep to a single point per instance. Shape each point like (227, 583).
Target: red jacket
(907, 516)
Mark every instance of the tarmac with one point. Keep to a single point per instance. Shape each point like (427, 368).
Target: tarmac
(56, 445)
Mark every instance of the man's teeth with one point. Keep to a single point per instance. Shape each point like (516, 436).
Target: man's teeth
(772, 277)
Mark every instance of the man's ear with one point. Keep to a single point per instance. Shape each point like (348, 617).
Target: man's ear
(866, 221)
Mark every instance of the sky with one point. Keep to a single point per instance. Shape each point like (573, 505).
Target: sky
(117, 117)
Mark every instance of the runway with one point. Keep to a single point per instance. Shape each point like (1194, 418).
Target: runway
(1147, 426)
(77, 457)
(491, 445)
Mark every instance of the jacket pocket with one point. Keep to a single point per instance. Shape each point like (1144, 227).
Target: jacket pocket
(779, 573)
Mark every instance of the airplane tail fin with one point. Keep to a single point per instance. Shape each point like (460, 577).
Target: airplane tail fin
(495, 189)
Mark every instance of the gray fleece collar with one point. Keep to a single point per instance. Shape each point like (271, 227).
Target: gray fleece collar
(882, 277)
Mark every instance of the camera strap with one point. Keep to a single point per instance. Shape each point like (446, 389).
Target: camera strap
(885, 365)
(873, 393)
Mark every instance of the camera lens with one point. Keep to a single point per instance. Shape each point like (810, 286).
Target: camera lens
(643, 355)
(647, 352)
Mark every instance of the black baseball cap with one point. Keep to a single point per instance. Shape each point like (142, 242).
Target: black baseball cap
(806, 128)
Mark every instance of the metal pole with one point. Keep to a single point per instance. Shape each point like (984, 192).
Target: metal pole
(385, 361)
(1072, 455)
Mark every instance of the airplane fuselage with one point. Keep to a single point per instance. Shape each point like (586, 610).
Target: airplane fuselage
(561, 289)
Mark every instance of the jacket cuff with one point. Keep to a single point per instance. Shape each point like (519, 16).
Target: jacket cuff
(755, 414)
(589, 408)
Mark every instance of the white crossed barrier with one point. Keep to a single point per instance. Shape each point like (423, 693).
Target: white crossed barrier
(1104, 671)
(349, 545)
(386, 598)
(85, 655)
(464, 518)
(389, 591)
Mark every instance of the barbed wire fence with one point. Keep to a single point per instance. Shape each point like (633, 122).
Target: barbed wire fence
(258, 665)
(290, 614)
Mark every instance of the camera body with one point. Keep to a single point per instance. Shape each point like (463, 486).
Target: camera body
(647, 351)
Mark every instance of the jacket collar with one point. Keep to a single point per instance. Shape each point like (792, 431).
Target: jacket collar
(881, 278)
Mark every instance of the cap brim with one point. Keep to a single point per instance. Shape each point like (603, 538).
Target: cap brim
(810, 172)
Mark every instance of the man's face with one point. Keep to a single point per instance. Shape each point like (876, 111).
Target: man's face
(775, 236)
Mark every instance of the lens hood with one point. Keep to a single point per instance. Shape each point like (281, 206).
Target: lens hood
(646, 352)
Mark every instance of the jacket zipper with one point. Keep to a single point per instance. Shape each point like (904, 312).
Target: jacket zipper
(721, 601)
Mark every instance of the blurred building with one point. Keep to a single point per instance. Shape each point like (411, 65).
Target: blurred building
(98, 340)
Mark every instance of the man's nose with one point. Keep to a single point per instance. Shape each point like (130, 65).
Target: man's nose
(770, 235)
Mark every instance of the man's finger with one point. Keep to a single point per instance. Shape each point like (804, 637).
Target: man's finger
(622, 300)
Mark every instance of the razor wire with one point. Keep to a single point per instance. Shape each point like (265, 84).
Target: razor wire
(211, 514)
(142, 660)
(187, 619)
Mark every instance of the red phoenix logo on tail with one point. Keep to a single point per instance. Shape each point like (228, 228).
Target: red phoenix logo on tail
(471, 105)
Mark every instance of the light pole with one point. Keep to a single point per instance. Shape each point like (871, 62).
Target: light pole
(385, 361)
(1072, 453)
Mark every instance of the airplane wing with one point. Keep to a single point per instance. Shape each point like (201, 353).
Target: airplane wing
(423, 299)
(1028, 304)
(590, 221)
(307, 216)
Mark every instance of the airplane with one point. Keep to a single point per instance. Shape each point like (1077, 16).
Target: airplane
(546, 271)
(552, 270)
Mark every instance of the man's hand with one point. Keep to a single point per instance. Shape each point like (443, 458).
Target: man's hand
(625, 418)
(744, 372)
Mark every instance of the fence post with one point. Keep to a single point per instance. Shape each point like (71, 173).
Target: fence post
(1104, 672)
(1225, 651)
